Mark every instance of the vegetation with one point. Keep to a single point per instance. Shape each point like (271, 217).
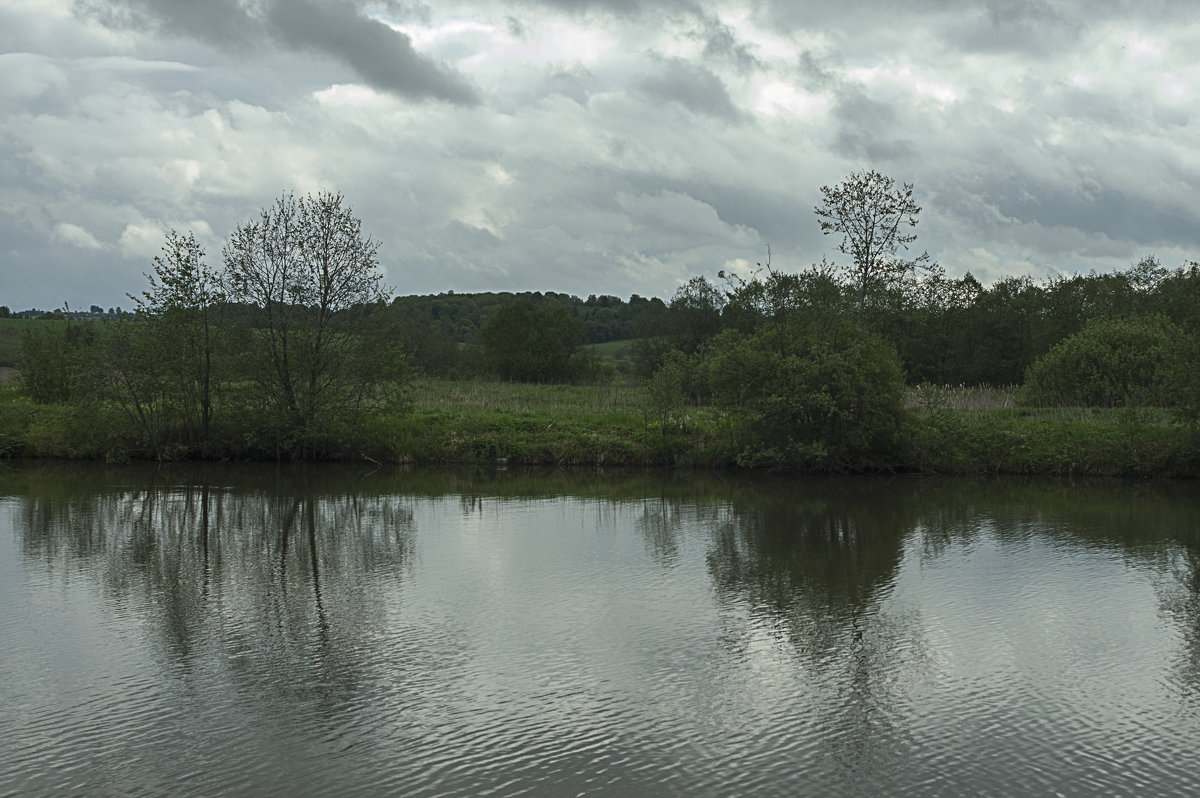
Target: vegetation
(290, 350)
(810, 397)
(530, 344)
(1109, 363)
(871, 215)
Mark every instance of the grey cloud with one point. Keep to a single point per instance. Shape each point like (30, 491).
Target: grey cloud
(867, 128)
(580, 6)
(1099, 209)
(693, 87)
(1029, 27)
(223, 23)
(720, 42)
(383, 57)
(815, 74)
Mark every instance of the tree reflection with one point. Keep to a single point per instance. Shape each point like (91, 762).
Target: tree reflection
(809, 566)
(276, 585)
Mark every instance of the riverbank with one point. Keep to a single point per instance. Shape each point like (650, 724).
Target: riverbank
(480, 422)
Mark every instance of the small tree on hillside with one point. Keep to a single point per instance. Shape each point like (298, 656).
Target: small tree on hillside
(874, 218)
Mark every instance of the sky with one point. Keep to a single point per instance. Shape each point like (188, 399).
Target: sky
(592, 146)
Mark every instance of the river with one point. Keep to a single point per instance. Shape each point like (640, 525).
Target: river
(237, 630)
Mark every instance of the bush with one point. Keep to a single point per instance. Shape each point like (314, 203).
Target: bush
(812, 397)
(1109, 363)
(527, 343)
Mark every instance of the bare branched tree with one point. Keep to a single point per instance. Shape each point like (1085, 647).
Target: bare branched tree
(314, 278)
(874, 218)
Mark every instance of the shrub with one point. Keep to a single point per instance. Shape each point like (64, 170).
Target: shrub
(812, 397)
(1109, 363)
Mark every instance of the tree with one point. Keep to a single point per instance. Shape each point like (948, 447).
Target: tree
(181, 330)
(691, 320)
(874, 219)
(534, 344)
(54, 362)
(313, 279)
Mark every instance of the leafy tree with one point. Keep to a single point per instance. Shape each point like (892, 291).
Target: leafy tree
(530, 344)
(54, 361)
(691, 319)
(313, 279)
(181, 333)
(874, 218)
(1109, 363)
(779, 299)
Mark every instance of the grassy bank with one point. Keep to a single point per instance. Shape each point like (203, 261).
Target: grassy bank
(478, 422)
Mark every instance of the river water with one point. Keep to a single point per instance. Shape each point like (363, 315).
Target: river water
(332, 631)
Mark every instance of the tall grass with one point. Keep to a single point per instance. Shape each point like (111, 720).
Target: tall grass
(928, 396)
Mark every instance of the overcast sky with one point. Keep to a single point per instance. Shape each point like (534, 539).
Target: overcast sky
(603, 147)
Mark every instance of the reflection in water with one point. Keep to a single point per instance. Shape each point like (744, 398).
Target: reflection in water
(813, 568)
(308, 630)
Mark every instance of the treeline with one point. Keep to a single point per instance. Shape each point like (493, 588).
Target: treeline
(290, 349)
(945, 330)
(460, 317)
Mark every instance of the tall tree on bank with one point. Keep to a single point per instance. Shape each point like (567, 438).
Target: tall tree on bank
(182, 336)
(874, 217)
(313, 279)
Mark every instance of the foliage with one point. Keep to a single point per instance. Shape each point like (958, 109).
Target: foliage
(530, 344)
(822, 399)
(165, 369)
(54, 361)
(691, 319)
(873, 218)
(459, 317)
(313, 280)
(778, 299)
(1109, 363)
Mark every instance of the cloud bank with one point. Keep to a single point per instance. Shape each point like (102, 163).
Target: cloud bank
(610, 146)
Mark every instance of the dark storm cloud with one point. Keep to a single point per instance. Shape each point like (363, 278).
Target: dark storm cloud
(384, 58)
(694, 87)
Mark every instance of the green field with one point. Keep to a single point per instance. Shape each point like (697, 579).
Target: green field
(613, 351)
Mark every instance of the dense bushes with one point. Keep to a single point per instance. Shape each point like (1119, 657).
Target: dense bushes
(535, 344)
(1110, 363)
(811, 397)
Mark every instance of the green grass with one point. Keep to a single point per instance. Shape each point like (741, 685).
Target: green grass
(479, 421)
(613, 351)
(521, 399)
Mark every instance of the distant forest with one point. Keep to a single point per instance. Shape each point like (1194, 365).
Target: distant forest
(945, 330)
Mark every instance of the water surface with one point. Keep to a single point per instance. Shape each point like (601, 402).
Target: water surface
(303, 631)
